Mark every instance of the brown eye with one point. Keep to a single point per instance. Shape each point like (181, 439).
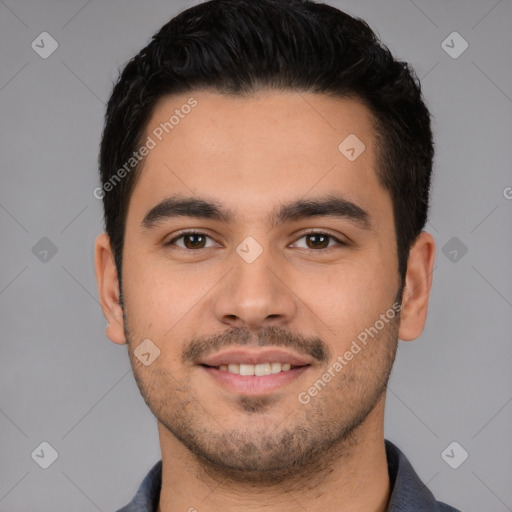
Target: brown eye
(317, 240)
(195, 241)
(191, 240)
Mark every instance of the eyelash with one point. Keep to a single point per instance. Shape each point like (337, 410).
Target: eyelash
(193, 232)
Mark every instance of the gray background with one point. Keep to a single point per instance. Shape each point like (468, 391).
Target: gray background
(62, 381)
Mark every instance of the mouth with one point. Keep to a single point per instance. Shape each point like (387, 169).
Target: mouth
(259, 370)
(253, 373)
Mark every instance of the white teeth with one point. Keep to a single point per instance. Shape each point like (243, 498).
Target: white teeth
(262, 369)
(275, 368)
(233, 368)
(255, 369)
(246, 369)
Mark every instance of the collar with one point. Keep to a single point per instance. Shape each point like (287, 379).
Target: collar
(408, 492)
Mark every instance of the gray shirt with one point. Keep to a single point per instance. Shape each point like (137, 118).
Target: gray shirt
(408, 492)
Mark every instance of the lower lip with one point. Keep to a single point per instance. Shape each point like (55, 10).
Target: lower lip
(252, 385)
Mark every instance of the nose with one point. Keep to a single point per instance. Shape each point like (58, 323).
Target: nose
(255, 294)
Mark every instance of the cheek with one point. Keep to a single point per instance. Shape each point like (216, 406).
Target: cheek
(351, 298)
(152, 299)
(164, 303)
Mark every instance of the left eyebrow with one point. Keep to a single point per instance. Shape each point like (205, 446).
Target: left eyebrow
(178, 206)
(325, 206)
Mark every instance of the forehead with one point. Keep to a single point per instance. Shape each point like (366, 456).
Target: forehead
(278, 121)
(251, 151)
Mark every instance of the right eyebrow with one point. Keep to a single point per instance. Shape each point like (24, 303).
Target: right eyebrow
(324, 206)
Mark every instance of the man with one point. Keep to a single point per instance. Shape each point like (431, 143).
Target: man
(265, 171)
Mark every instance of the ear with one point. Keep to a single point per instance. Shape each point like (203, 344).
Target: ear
(108, 289)
(418, 282)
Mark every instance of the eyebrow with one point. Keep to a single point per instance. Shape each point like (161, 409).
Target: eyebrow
(325, 206)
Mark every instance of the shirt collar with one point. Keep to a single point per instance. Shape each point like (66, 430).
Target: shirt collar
(408, 492)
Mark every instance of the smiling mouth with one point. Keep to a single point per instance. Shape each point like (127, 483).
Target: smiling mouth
(258, 370)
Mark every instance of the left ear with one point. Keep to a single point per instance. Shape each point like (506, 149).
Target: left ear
(418, 282)
(108, 289)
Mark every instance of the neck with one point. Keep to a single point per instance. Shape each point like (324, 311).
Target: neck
(353, 475)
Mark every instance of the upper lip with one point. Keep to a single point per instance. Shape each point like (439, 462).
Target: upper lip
(255, 356)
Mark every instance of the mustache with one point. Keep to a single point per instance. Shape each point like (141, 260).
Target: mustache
(201, 347)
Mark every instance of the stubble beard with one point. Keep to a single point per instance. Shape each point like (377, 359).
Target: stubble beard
(261, 452)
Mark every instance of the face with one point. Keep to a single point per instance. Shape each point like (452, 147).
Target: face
(257, 257)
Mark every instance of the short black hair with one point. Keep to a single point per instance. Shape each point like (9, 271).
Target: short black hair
(238, 47)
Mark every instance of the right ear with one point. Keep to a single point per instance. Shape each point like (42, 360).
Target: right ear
(108, 289)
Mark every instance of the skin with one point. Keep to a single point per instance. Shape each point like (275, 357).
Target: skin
(221, 450)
